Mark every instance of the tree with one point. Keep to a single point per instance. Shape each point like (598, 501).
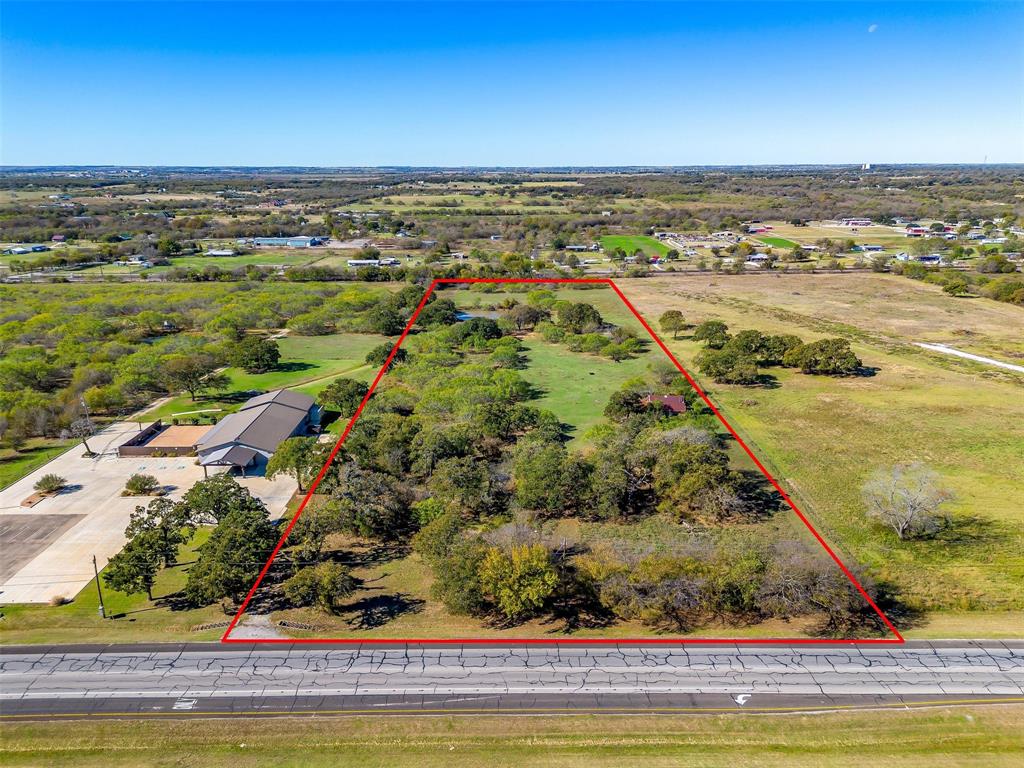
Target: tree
(726, 366)
(370, 505)
(519, 582)
(386, 321)
(672, 320)
(379, 355)
(714, 333)
(254, 354)
(232, 557)
(461, 483)
(141, 485)
(549, 479)
(685, 473)
(526, 316)
(439, 312)
(623, 404)
(343, 394)
(212, 499)
(828, 356)
(457, 580)
(193, 374)
(83, 428)
(50, 483)
(168, 522)
(134, 568)
(579, 318)
(908, 499)
(434, 540)
(323, 585)
(299, 457)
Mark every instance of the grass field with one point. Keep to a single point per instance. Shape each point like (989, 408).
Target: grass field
(778, 242)
(308, 363)
(576, 387)
(35, 453)
(824, 436)
(630, 243)
(966, 736)
(269, 258)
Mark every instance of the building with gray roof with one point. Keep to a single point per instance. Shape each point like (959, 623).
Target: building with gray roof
(252, 434)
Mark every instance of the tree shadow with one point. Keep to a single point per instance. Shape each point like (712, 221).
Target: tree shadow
(378, 610)
(866, 371)
(766, 381)
(292, 366)
(969, 530)
(378, 554)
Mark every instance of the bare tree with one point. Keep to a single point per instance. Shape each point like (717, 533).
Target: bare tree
(83, 428)
(908, 498)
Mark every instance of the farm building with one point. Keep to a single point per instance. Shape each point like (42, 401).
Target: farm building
(252, 434)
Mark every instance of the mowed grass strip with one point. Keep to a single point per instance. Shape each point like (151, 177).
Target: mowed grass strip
(968, 736)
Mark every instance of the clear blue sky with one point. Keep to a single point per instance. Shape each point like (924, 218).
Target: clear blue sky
(282, 83)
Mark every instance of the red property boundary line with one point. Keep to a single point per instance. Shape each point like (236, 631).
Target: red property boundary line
(895, 640)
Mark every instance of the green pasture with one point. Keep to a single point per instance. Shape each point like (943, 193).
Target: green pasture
(823, 437)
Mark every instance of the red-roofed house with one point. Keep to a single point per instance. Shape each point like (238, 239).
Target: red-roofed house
(672, 403)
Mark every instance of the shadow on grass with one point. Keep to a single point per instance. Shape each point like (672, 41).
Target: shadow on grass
(378, 610)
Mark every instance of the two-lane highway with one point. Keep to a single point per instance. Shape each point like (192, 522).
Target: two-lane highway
(213, 679)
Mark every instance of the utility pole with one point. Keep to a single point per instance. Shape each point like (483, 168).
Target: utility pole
(99, 589)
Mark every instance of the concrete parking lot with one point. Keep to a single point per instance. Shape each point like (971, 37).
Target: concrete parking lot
(51, 544)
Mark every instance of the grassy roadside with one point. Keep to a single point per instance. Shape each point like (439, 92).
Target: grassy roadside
(134, 617)
(14, 465)
(947, 736)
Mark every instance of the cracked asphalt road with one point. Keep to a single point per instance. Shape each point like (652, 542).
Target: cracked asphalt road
(216, 680)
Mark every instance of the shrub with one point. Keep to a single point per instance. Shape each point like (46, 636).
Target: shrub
(50, 483)
(141, 485)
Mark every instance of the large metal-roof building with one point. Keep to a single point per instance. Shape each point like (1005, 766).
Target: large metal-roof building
(252, 434)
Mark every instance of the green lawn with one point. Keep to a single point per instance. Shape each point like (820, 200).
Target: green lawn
(308, 363)
(35, 453)
(778, 242)
(630, 243)
(136, 617)
(923, 738)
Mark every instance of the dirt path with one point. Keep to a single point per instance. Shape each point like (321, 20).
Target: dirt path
(969, 356)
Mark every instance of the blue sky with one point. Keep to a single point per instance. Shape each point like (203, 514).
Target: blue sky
(577, 83)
